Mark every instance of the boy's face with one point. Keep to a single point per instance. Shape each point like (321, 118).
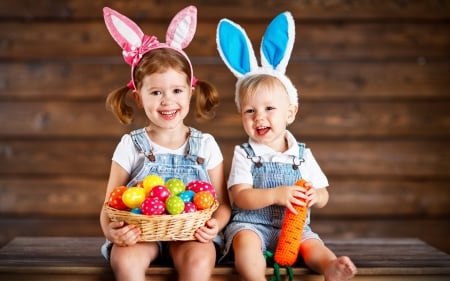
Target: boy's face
(265, 114)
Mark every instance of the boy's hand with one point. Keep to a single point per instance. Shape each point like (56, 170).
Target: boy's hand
(291, 195)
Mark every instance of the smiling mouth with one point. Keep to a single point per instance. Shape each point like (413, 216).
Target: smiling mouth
(262, 130)
(168, 114)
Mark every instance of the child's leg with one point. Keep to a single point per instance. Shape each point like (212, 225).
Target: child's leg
(321, 259)
(130, 263)
(193, 260)
(249, 260)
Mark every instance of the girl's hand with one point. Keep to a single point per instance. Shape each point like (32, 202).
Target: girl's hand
(122, 234)
(207, 232)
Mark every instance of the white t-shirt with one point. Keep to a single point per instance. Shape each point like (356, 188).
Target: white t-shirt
(129, 158)
(241, 166)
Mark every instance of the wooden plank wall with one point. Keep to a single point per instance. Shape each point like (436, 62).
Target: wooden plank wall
(374, 91)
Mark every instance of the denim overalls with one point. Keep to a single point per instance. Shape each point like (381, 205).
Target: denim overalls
(267, 222)
(187, 167)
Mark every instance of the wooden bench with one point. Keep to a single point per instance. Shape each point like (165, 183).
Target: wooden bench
(79, 258)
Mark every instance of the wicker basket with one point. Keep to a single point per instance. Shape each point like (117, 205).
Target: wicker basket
(180, 227)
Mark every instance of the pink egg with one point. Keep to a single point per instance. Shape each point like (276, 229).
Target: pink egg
(198, 185)
(159, 191)
(153, 206)
(189, 207)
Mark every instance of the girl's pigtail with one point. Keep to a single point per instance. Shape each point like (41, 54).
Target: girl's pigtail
(206, 100)
(116, 102)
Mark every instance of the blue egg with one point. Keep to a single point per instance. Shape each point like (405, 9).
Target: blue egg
(136, 211)
(187, 195)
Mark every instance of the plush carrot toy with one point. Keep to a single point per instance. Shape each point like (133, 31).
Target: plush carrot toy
(289, 243)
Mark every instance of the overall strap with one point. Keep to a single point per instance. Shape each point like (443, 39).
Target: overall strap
(301, 150)
(142, 144)
(248, 149)
(297, 161)
(251, 155)
(194, 145)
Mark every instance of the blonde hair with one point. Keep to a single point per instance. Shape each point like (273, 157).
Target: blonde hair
(157, 60)
(249, 85)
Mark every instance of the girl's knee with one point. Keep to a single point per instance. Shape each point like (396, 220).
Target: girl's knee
(127, 266)
(201, 259)
(127, 258)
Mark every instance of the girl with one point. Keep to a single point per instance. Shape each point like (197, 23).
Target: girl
(264, 170)
(162, 84)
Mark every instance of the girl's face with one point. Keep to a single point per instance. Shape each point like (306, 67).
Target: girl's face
(165, 97)
(265, 115)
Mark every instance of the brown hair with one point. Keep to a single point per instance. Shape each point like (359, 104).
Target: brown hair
(157, 60)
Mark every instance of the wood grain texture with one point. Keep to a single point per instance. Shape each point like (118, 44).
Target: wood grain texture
(80, 257)
(322, 81)
(250, 10)
(374, 108)
(318, 119)
(332, 41)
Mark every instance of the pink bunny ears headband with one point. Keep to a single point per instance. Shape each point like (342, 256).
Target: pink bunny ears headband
(237, 52)
(135, 43)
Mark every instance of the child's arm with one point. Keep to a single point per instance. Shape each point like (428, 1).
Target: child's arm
(222, 215)
(117, 232)
(247, 197)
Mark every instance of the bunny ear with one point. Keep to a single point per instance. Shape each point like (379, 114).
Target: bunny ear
(182, 28)
(278, 41)
(235, 48)
(122, 29)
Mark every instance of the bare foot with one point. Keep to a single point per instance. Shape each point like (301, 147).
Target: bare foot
(341, 269)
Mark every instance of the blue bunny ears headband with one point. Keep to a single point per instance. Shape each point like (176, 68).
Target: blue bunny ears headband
(237, 52)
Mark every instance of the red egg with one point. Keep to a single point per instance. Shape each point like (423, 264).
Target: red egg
(189, 207)
(115, 198)
(153, 206)
(198, 186)
(160, 191)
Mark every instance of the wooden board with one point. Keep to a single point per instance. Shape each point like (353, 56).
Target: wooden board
(32, 257)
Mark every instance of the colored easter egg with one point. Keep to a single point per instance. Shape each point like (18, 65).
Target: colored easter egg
(115, 198)
(189, 207)
(198, 186)
(133, 197)
(175, 186)
(153, 206)
(150, 181)
(174, 205)
(136, 211)
(203, 200)
(187, 195)
(160, 191)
